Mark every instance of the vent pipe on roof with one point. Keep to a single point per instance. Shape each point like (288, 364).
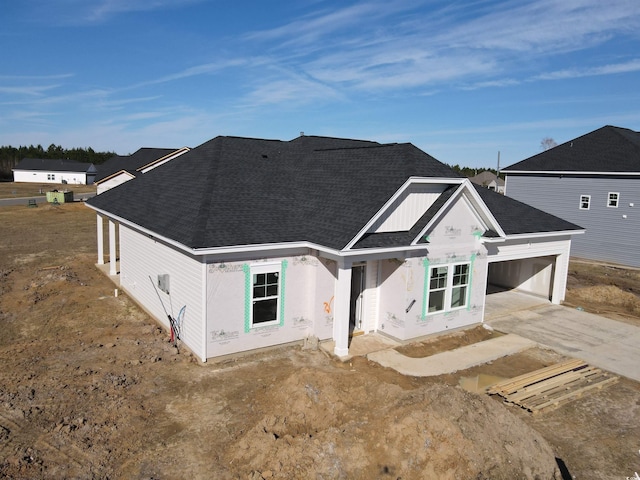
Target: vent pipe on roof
(302, 134)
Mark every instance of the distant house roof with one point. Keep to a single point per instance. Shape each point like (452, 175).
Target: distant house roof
(50, 165)
(485, 178)
(607, 150)
(131, 163)
(233, 191)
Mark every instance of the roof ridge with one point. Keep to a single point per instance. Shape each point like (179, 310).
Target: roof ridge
(379, 145)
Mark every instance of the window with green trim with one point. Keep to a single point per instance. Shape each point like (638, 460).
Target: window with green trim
(265, 290)
(448, 287)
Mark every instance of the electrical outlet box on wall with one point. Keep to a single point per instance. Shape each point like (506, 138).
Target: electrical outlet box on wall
(163, 282)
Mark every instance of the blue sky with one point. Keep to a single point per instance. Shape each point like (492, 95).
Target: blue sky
(460, 80)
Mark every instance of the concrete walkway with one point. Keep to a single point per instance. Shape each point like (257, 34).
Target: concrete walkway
(452, 360)
(604, 343)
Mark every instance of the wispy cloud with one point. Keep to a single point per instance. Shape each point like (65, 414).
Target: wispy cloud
(611, 69)
(391, 45)
(81, 12)
(32, 91)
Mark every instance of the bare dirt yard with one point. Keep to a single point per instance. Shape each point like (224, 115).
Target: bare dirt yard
(91, 388)
(25, 189)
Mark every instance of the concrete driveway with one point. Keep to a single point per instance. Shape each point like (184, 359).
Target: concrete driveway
(605, 343)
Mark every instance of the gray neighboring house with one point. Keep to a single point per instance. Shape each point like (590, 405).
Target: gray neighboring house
(43, 170)
(593, 181)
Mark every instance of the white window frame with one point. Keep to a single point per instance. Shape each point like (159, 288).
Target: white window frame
(266, 269)
(615, 201)
(448, 287)
(582, 200)
(51, 176)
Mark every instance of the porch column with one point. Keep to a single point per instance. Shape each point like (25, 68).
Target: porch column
(100, 240)
(112, 248)
(341, 307)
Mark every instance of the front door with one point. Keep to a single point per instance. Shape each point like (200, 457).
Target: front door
(356, 313)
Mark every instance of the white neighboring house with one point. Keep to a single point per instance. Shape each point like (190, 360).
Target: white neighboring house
(40, 170)
(120, 169)
(489, 180)
(251, 243)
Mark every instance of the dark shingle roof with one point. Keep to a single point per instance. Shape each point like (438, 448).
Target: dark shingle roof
(517, 218)
(131, 163)
(240, 191)
(50, 165)
(608, 149)
(234, 191)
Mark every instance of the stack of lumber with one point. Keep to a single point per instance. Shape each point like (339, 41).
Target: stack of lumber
(552, 386)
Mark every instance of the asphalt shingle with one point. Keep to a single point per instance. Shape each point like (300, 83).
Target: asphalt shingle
(240, 191)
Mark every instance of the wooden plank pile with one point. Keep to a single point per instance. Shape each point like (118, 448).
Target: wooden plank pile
(552, 386)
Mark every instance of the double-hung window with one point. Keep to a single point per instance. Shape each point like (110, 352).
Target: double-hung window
(585, 202)
(612, 199)
(51, 176)
(448, 287)
(265, 290)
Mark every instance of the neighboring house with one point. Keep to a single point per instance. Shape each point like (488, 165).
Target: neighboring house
(40, 170)
(489, 180)
(594, 181)
(252, 243)
(120, 169)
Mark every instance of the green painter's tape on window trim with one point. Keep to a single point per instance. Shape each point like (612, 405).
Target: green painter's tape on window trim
(282, 279)
(473, 259)
(247, 297)
(425, 262)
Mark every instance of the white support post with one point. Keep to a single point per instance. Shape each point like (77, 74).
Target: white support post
(112, 248)
(100, 223)
(560, 277)
(341, 306)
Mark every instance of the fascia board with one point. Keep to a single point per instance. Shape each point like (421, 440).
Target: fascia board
(167, 157)
(395, 196)
(468, 187)
(476, 196)
(437, 216)
(257, 248)
(113, 175)
(562, 172)
(560, 233)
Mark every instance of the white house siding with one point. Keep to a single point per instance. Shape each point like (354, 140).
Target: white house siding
(611, 233)
(408, 208)
(30, 176)
(112, 182)
(403, 294)
(307, 289)
(142, 257)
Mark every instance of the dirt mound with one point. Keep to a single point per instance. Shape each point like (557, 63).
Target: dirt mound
(378, 430)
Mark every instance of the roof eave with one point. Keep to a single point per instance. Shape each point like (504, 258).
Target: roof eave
(260, 247)
(520, 236)
(563, 172)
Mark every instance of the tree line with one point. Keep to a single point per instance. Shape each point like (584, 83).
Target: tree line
(472, 172)
(10, 156)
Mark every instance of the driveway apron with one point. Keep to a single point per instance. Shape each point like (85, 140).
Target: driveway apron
(602, 342)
